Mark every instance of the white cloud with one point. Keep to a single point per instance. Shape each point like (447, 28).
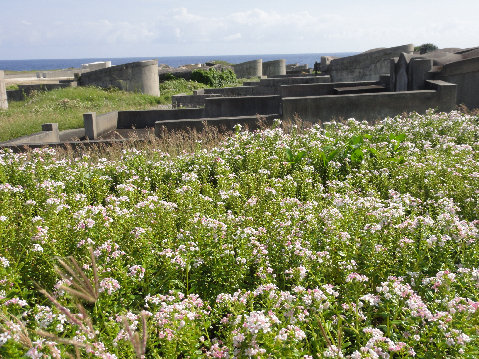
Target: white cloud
(232, 37)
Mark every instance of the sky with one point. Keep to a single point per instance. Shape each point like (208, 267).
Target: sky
(50, 29)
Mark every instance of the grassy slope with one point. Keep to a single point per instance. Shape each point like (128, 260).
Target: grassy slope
(66, 106)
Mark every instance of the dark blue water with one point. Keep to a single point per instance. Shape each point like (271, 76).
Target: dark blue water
(174, 61)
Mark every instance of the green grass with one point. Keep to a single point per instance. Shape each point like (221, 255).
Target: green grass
(177, 86)
(66, 107)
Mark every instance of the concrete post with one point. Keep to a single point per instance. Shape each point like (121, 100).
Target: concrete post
(51, 132)
(89, 122)
(3, 92)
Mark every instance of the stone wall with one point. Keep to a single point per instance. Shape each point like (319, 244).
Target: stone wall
(367, 66)
(274, 68)
(370, 107)
(249, 69)
(242, 106)
(3, 92)
(139, 76)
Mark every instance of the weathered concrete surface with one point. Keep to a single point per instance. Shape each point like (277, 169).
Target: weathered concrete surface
(465, 74)
(325, 62)
(242, 106)
(418, 73)
(25, 90)
(182, 100)
(319, 89)
(370, 107)
(249, 69)
(274, 68)
(148, 118)
(95, 125)
(223, 123)
(93, 66)
(139, 76)
(366, 66)
(49, 134)
(3, 92)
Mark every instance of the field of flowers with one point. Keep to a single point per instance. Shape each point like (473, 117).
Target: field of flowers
(343, 241)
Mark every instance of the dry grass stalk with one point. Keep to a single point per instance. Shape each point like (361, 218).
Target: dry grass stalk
(139, 345)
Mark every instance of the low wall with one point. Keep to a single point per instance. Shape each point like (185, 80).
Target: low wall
(242, 91)
(274, 68)
(25, 90)
(3, 92)
(223, 123)
(242, 106)
(95, 126)
(367, 66)
(49, 134)
(249, 69)
(148, 118)
(319, 89)
(93, 66)
(465, 74)
(190, 100)
(370, 107)
(139, 76)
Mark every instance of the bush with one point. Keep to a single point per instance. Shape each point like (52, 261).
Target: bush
(425, 48)
(215, 78)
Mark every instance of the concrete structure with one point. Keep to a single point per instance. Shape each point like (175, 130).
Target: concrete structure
(148, 118)
(465, 74)
(93, 66)
(274, 68)
(222, 123)
(323, 89)
(242, 106)
(25, 90)
(3, 92)
(367, 66)
(139, 76)
(418, 73)
(370, 106)
(249, 69)
(49, 134)
(98, 125)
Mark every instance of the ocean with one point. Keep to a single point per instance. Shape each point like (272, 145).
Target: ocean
(174, 61)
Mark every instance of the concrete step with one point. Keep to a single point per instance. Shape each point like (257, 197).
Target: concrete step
(359, 89)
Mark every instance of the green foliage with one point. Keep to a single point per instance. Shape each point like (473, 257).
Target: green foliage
(425, 48)
(176, 86)
(346, 240)
(215, 78)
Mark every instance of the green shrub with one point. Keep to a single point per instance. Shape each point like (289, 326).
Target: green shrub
(214, 78)
(425, 48)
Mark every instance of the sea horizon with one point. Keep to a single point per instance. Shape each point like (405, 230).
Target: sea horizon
(173, 61)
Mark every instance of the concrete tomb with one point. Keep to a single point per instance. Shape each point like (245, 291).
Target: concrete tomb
(249, 69)
(274, 68)
(139, 76)
(367, 66)
(3, 92)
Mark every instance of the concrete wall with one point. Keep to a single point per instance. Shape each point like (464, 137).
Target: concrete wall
(319, 89)
(139, 76)
(3, 92)
(95, 126)
(274, 68)
(147, 118)
(243, 91)
(49, 134)
(465, 74)
(190, 100)
(93, 66)
(249, 69)
(370, 107)
(365, 66)
(25, 90)
(223, 123)
(242, 106)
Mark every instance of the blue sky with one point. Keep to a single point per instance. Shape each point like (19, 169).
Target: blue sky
(119, 28)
